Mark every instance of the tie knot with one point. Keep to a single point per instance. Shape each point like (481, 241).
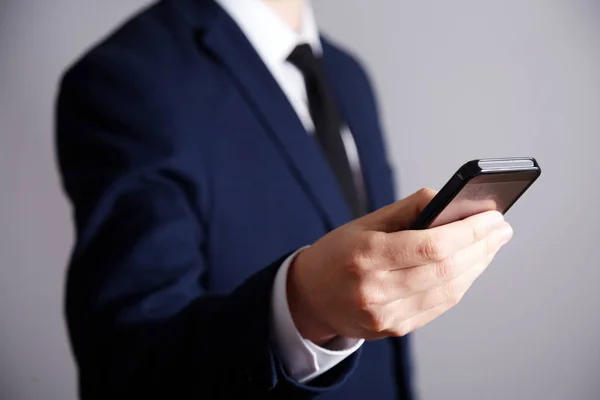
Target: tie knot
(304, 59)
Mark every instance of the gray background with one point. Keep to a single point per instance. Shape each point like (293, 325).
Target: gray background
(457, 80)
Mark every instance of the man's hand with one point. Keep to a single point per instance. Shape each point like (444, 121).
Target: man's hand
(372, 278)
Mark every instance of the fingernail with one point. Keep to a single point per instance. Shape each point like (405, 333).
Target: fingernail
(506, 233)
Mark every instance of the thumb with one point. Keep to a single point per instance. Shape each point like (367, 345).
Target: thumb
(398, 216)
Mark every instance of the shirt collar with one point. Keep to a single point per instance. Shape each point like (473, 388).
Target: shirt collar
(270, 36)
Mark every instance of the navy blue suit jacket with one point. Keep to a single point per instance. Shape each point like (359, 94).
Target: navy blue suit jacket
(192, 178)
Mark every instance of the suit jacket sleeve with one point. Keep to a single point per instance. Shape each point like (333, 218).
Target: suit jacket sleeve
(141, 323)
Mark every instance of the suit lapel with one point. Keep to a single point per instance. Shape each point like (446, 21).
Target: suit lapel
(223, 38)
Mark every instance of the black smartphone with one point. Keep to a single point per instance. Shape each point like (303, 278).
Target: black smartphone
(478, 186)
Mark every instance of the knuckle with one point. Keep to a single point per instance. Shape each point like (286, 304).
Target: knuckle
(377, 297)
(445, 269)
(368, 297)
(362, 300)
(406, 282)
(376, 322)
(366, 251)
(373, 242)
(371, 310)
(356, 263)
(430, 248)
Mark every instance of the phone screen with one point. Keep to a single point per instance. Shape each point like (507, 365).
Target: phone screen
(485, 193)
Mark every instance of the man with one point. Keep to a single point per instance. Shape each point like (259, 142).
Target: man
(215, 153)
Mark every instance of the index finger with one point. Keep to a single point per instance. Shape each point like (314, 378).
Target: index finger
(435, 244)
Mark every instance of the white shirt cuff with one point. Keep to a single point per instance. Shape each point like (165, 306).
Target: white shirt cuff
(301, 358)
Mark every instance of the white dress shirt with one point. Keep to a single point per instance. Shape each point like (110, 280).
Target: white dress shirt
(274, 41)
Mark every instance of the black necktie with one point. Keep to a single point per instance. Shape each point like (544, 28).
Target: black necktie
(327, 121)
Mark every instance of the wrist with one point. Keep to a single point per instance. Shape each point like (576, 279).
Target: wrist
(306, 319)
